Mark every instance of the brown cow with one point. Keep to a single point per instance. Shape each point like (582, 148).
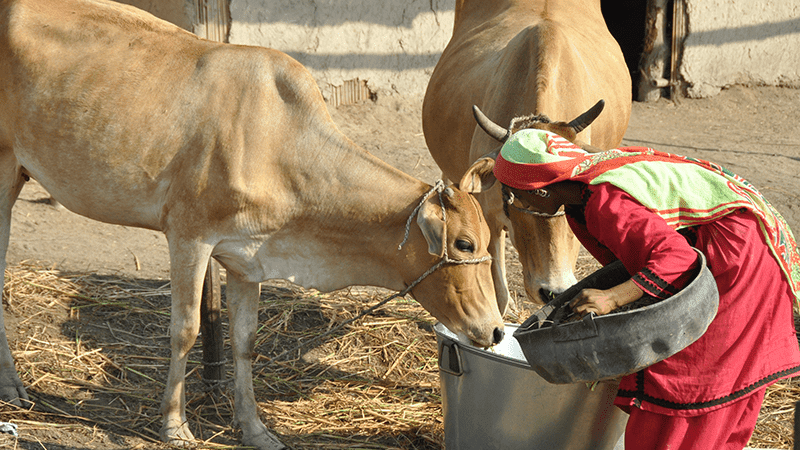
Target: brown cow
(231, 152)
(513, 58)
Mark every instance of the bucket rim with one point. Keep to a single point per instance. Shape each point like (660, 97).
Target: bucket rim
(444, 334)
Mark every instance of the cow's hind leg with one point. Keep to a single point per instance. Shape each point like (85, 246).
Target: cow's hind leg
(11, 182)
(242, 297)
(188, 263)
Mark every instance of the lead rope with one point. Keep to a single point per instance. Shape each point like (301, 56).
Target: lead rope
(438, 187)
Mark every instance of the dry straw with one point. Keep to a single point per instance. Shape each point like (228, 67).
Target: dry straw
(94, 352)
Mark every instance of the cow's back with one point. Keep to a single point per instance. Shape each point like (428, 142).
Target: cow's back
(115, 112)
(518, 59)
(88, 91)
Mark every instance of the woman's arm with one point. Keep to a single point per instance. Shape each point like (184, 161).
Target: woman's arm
(659, 258)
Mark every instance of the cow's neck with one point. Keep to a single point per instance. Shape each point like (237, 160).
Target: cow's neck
(368, 221)
(348, 225)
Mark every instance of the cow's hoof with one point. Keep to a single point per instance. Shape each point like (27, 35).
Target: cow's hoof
(177, 435)
(13, 391)
(263, 440)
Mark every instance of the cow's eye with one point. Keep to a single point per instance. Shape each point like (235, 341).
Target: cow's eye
(465, 245)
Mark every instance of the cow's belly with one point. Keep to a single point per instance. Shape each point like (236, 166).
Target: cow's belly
(120, 195)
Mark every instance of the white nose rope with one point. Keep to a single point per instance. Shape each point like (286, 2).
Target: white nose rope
(438, 188)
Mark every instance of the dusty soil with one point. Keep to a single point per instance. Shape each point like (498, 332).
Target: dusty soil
(753, 131)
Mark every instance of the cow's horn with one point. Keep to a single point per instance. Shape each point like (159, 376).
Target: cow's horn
(492, 129)
(586, 119)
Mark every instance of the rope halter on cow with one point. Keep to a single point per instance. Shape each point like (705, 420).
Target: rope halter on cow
(438, 188)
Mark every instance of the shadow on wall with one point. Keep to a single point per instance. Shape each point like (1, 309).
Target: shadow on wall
(170, 10)
(315, 13)
(625, 19)
(380, 37)
(758, 32)
(366, 60)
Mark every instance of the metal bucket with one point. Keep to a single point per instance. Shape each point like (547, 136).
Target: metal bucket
(492, 399)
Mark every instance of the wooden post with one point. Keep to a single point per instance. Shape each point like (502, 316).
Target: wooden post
(655, 54)
(211, 20)
(211, 325)
(678, 35)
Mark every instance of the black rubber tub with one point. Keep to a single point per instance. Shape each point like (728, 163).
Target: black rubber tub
(620, 343)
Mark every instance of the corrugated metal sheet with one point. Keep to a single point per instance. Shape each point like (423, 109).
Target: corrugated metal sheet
(213, 19)
(350, 92)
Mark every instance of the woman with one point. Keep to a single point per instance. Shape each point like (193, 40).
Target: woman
(648, 209)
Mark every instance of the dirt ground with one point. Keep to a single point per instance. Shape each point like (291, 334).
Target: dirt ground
(753, 131)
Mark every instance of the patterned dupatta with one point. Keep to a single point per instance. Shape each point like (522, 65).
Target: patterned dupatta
(537, 158)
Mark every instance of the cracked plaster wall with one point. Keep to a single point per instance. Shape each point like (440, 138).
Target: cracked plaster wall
(741, 42)
(394, 46)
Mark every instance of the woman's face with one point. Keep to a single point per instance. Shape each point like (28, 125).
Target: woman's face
(535, 202)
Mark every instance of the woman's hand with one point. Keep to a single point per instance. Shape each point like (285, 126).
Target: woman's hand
(602, 302)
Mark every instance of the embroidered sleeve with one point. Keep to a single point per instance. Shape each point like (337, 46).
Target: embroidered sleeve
(660, 259)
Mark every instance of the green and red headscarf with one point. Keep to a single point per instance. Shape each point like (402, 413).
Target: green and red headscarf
(532, 159)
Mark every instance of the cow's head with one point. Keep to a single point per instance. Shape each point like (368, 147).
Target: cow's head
(460, 292)
(547, 248)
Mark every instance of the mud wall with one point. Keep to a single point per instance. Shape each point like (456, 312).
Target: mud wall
(386, 47)
(175, 11)
(392, 46)
(740, 42)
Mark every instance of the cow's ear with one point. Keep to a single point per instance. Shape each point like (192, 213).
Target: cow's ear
(433, 227)
(480, 176)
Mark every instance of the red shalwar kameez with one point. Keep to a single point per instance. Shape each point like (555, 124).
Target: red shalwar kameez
(708, 395)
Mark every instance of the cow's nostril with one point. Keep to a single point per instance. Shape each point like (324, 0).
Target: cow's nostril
(547, 296)
(498, 335)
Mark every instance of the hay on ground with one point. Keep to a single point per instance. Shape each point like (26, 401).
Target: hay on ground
(94, 352)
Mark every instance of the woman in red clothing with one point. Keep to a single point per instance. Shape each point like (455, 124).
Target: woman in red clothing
(648, 209)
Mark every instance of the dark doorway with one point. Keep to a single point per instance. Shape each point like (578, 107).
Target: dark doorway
(626, 22)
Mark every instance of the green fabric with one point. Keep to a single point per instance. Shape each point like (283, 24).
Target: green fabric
(530, 146)
(708, 192)
(655, 184)
(684, 191)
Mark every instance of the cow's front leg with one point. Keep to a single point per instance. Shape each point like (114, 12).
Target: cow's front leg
(188, 262)
(242, 297)
(11, 182)
(11, 388)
